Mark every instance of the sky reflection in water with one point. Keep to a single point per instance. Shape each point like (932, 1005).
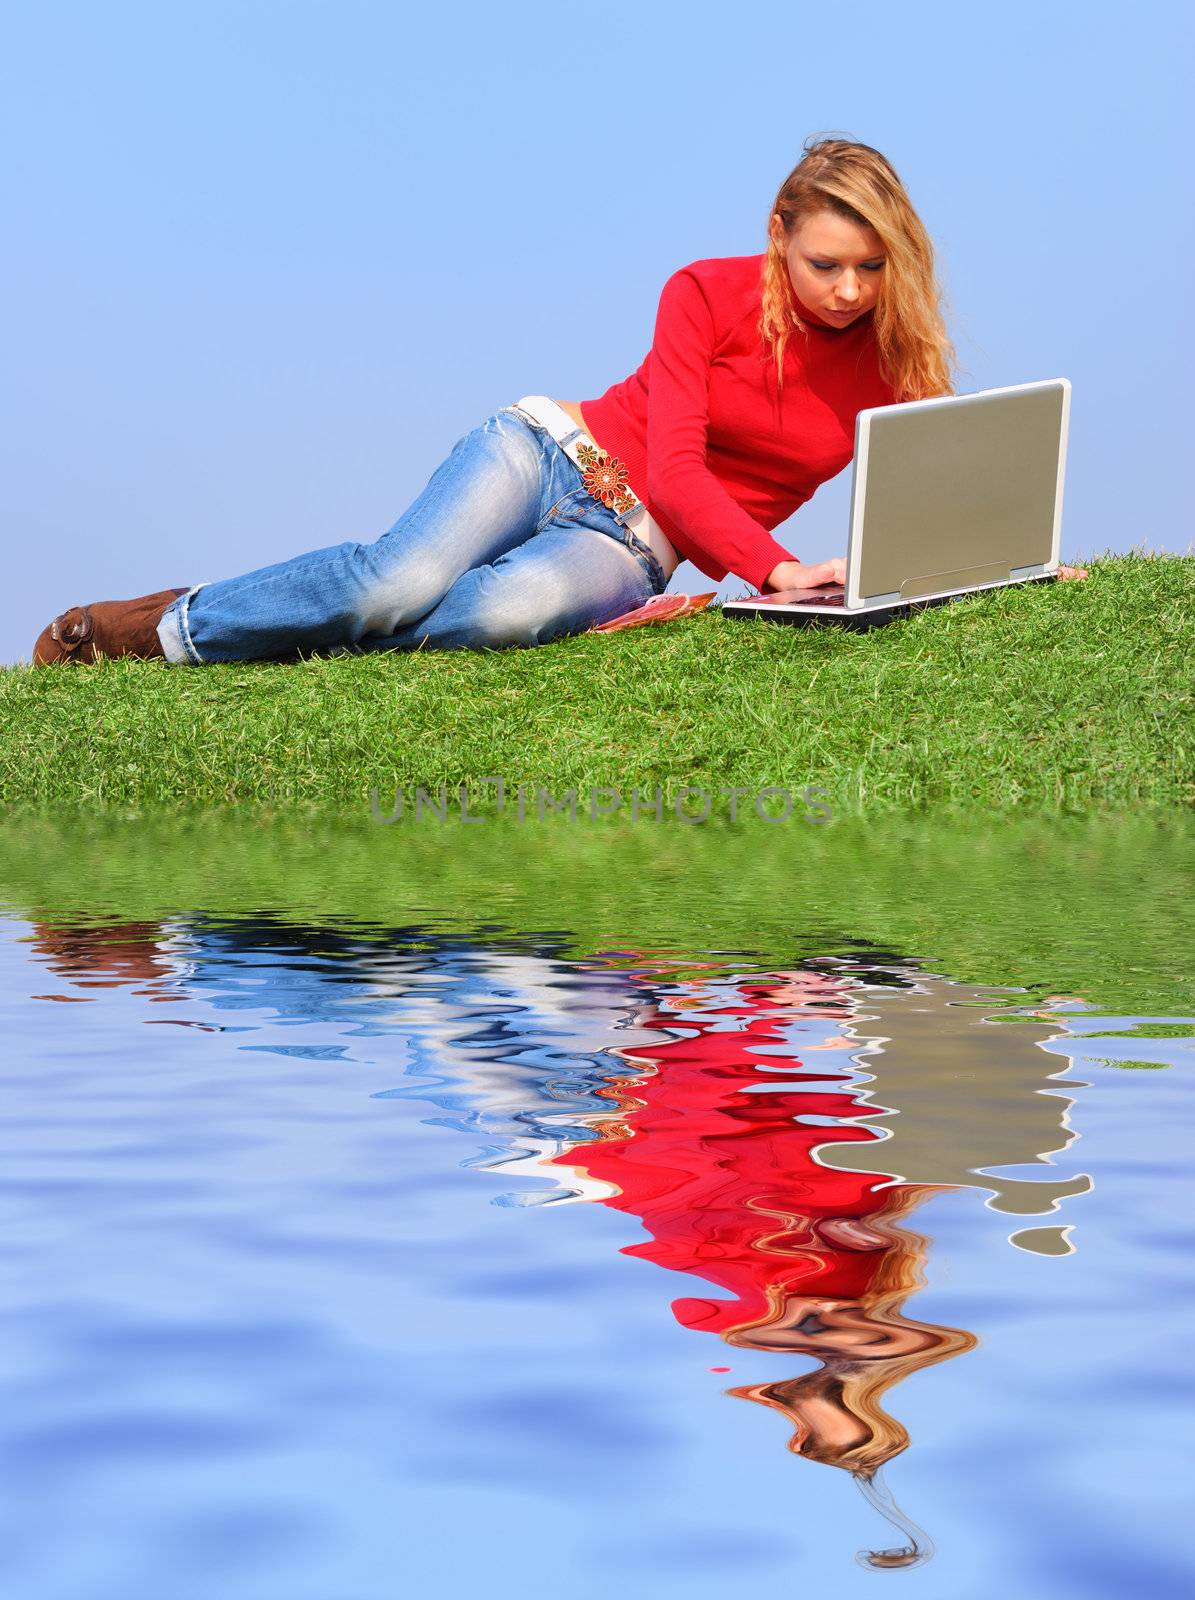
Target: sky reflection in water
(265, 1333)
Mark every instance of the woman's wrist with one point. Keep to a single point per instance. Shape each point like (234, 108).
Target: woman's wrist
(784, 575)
(795, 574)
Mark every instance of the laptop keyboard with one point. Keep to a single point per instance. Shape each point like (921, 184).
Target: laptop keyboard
(829, 596)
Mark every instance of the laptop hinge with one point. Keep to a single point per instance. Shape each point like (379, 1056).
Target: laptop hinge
(962, 578)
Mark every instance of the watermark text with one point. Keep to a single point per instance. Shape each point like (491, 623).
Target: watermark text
(495, 797)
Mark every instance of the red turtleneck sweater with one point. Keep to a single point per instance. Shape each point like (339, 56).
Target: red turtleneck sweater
(717, 458)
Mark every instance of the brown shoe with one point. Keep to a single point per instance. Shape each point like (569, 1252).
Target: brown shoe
(107, 628)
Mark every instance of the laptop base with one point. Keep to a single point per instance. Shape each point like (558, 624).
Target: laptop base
(805, 608)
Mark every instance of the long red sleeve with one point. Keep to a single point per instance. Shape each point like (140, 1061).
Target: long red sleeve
(678, 480)
(718, 455)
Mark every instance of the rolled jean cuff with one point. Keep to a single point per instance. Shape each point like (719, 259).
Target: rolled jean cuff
(174, 634)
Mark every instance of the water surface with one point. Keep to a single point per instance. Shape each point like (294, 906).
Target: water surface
(384, 1219)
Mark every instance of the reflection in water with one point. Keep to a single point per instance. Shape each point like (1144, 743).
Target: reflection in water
(105, 956)
(968, 1096)
(773, 1132)
(720, 1164)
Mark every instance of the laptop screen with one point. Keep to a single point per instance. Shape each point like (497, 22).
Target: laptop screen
(957, 491)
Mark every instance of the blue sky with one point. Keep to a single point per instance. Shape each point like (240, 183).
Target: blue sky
(266, 262)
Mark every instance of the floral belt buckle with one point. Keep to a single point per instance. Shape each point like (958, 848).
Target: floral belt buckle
(605, 477)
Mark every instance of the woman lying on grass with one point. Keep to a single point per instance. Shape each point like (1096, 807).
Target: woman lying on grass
(554, 517)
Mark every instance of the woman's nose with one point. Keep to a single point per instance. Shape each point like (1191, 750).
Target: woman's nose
(848, 287)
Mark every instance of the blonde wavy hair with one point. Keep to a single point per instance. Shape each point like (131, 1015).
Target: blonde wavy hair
(857, 183)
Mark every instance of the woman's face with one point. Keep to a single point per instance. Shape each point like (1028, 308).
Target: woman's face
(835, 266)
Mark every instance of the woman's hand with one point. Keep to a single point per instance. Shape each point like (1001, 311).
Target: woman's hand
(806, 575)
(812, 575)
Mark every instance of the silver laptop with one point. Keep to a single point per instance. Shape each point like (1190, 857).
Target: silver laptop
(949, 497)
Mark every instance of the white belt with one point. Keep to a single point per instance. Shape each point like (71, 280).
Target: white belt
(572, 440)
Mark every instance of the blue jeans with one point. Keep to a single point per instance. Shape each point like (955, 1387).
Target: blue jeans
(503, 547)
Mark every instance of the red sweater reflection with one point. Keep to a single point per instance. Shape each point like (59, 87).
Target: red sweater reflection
(714, 1163)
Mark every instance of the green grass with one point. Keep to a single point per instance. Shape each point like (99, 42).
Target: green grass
(1059, 697)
